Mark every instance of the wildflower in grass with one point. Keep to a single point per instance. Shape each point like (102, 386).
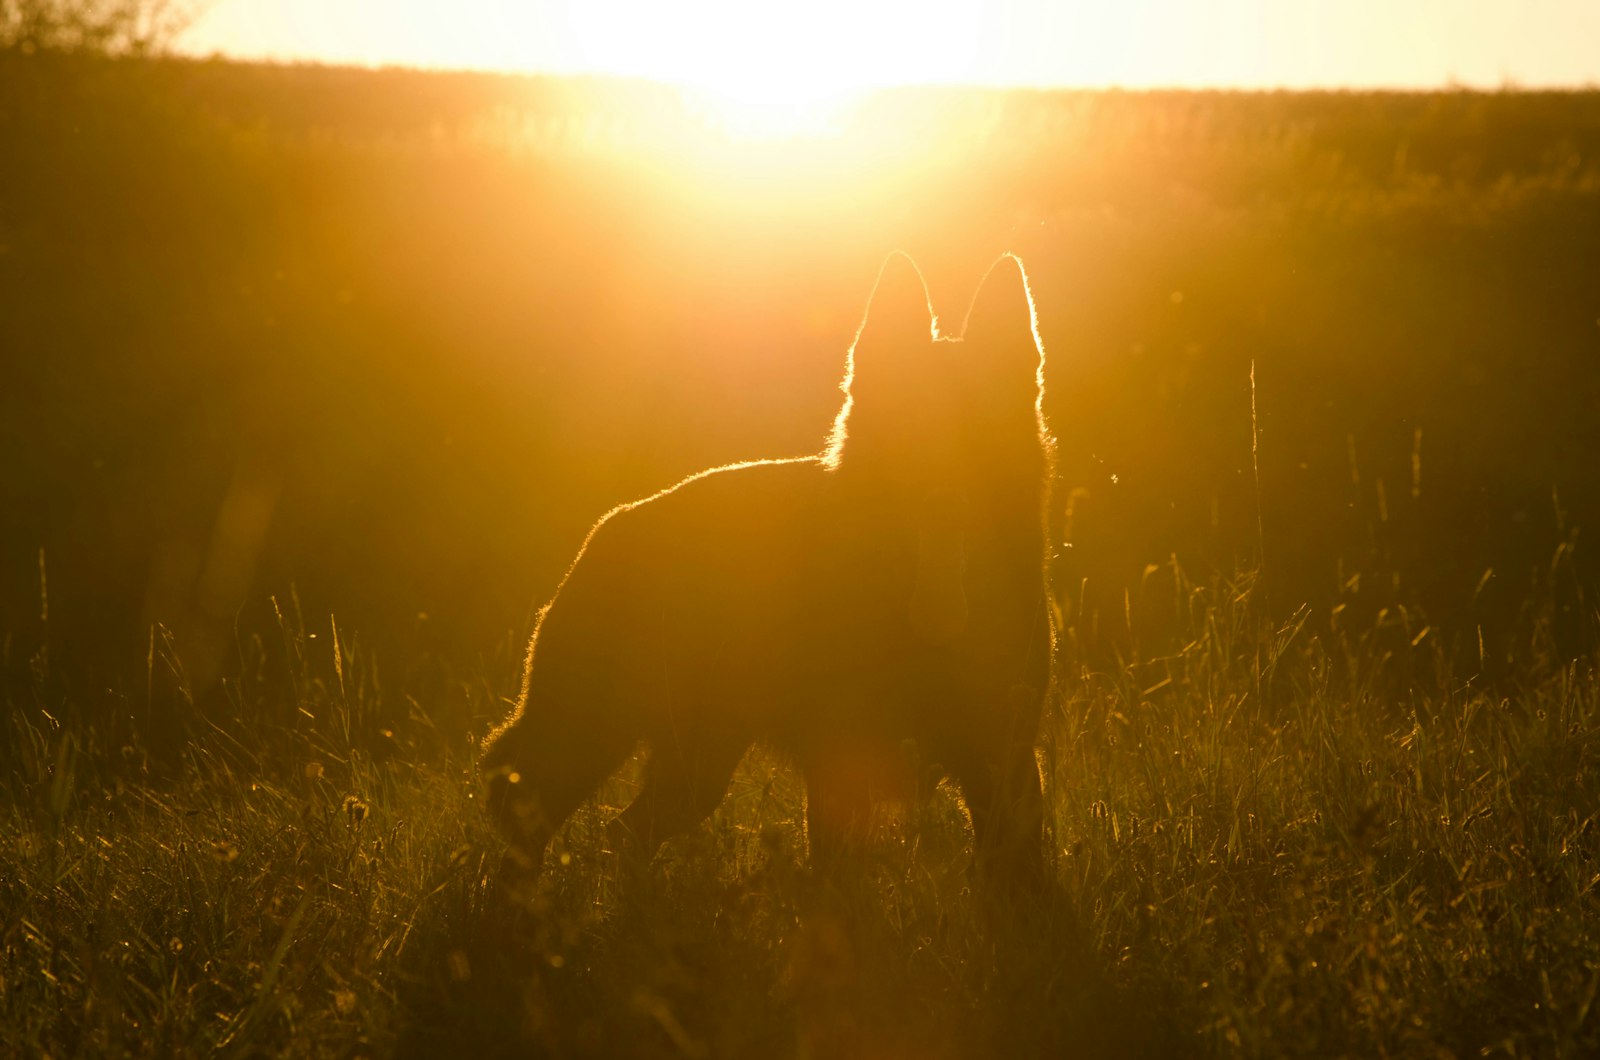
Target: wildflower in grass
(355, 809)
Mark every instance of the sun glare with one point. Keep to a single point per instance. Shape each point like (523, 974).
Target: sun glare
(774, 62)
(779, 69)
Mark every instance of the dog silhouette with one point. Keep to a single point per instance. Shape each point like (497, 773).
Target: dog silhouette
(889, 588)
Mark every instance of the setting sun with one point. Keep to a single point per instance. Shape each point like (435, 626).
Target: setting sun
(769, 70)
(772, 55)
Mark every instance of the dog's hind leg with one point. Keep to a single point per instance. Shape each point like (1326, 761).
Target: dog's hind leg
(539, 772)
(684, 781)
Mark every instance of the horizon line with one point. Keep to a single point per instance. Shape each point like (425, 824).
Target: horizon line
(1506, 85)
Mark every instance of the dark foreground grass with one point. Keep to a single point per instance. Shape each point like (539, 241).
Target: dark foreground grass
(1272, 842)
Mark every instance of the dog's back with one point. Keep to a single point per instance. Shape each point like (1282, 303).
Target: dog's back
(748, 585)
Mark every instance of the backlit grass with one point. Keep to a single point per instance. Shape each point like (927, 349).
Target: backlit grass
(1271, 842)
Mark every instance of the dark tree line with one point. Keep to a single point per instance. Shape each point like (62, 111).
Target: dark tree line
(99, 27)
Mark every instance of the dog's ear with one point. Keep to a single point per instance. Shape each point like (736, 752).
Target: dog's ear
(899, 323)
(1000, 320)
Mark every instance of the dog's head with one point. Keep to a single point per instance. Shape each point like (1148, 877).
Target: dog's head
(948, 424)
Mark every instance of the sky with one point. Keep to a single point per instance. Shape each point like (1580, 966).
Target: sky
(812, 47)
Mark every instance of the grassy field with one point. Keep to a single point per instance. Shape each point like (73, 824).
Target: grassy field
(1270, 844)
(313, 380)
